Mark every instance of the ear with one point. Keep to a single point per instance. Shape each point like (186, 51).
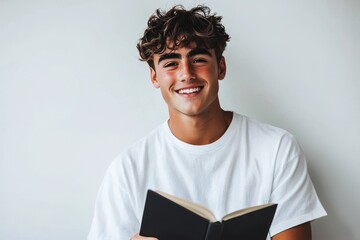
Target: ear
(153, 78)
(222, 68)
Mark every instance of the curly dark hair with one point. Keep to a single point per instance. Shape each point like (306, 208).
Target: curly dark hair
(182, 27)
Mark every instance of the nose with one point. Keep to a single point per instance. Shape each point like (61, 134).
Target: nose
(187, 72)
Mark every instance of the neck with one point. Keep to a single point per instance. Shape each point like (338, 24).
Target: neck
(201, 129)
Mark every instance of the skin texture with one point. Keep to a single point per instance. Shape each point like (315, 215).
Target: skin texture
(193, 114)
(300, 232)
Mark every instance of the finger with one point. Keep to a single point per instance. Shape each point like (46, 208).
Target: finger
(138, 237)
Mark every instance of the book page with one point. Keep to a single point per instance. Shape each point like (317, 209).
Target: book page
(195, 208)
(245, 211)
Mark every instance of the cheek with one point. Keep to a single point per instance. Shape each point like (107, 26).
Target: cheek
(166, 78)
(208, 71)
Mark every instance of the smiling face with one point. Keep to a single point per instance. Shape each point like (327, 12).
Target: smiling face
(188, 80)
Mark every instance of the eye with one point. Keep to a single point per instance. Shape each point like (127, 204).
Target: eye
(170, 64)
(199, 60)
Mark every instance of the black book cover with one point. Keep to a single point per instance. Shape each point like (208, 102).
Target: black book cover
(168, 219)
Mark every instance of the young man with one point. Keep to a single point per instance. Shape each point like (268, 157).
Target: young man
(219, 159)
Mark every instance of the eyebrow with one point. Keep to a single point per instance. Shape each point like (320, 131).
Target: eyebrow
(169, 56)
(192, 53)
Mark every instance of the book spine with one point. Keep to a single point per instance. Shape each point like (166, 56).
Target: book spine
(214, 231)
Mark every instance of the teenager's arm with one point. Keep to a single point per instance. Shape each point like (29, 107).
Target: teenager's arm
(300, 232)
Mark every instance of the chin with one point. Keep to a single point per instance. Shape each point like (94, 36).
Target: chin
(192, 112)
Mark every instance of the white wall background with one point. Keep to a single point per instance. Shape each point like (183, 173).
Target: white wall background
(73, 95)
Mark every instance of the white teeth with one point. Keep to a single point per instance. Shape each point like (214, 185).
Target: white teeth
(189, 90)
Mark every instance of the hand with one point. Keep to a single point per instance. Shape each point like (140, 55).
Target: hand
(138, 237)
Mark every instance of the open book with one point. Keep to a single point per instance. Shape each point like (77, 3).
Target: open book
(167, 217)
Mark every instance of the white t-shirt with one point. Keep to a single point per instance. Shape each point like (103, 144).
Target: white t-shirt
(251, 164)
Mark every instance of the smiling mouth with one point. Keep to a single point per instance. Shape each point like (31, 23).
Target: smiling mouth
(189, 90)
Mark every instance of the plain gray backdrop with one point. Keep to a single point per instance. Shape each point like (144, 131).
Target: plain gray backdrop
(73, 94)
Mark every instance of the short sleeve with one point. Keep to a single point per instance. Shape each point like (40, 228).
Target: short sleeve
(114, 217)
(293, 189)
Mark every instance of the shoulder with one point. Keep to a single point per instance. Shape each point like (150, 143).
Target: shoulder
(266, 137)
(151, 140)
(137, 154)
(262, 131)
(259, 127)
